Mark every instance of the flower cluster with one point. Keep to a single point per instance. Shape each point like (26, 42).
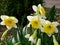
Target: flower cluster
(38, 30)
(39, 22)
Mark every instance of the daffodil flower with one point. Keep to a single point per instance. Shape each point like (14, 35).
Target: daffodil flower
(34, 21)
(9, 21)
(50, 27)
(40, 10)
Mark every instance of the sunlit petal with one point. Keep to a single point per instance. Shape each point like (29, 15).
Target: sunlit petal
(3, 17)
(15, 19)
(56, 30)
(34, 8)
(8, 27)
(39, 5)
(31, 17)
(28, 25)
(27, 35)
(49, 35)
(2, 23)
(9, 21)
(55, 23)
(15, 26)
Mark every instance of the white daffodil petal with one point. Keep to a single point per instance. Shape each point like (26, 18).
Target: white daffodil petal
(27, 36)
(9, 21)
(28, 25)
(42, 30)
(15, 19)
(32, 39)
(15, 26)
(24, 29)
(8, 27)
(4, 16)
(55, 23)
(31, 17)
(34, 8)
(42, 21)
(39, 5)
(56, 30)
(49, 35)
(2, 23)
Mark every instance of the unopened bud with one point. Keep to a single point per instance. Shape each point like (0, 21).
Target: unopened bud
(38, 42)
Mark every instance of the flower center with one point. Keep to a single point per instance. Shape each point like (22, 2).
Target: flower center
(49, 27)
(35, 23)
(9, 22)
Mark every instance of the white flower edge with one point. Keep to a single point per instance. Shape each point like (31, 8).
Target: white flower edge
(32, 40)
(55, 23)
(31, 17)
(34, 8)
(4, 16)
(27, 36)
(15, 26)
(2, 23)
(14, 19)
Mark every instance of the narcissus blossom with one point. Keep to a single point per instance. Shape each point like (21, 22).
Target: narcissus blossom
(34, 21)
(39, 10)
(50, 27)
(9, 21)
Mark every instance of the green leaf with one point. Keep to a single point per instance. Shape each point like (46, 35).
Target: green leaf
(51, 14)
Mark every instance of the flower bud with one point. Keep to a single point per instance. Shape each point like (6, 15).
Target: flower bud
(33, 37)
(55, 41)
(38, 42)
